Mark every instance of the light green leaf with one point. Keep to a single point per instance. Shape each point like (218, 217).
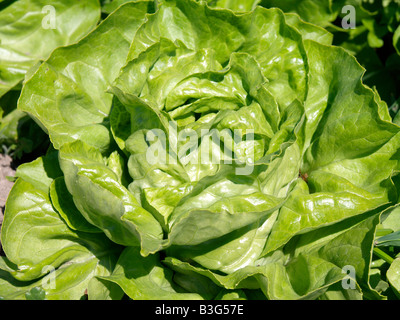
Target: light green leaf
(331, 92)
(396, 40)
(69, 258)
(263, 277)
(63, 202)
(74, 89)
(202, 153)
(306, 211)
(393, 275)
(145, 278)
(277, 274)
(234, 5)
(31, 29)
(320, 12)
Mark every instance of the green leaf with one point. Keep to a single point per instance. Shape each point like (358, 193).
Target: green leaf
(243, 5)
(390, 219)
(77, 85)
(304, 211)
(63, 202)
(396, 40)
(393, 275)
(392, 239)
(325, 106)
(375, 34)
(309, 31)
(67, 260)
(230, 252)
(36, 293)
(277, 273)
(104, 202)
(191, 223)
(202, 153)
(145, 278)
(263, 277)
(320, 12)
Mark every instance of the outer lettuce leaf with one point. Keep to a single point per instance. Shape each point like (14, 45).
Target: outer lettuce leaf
(64, 204)
(77, 84)
(29, 32)
(301, 195)
(246, 5)
(320, 12)
(330, 93)
(304, 212)
(375, 21)
(30, 223)
(277, 274)
(24, 40)
(145, 278)
(309, 31)
(393, 275)
(104, 202)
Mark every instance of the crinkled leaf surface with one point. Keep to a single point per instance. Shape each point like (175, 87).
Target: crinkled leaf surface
(71, 101)
(393, 275)
(104, 202)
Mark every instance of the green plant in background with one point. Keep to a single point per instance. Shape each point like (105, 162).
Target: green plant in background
(125, 204)
(385, 267)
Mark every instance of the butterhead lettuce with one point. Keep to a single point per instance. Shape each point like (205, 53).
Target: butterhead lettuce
(200, 153)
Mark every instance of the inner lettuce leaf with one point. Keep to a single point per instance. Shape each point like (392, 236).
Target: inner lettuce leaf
(217, 154)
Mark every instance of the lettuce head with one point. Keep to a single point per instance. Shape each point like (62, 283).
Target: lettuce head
(200, 153)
